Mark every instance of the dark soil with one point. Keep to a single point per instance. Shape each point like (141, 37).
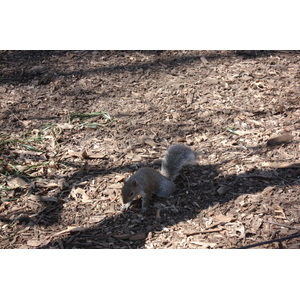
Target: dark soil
(62, 172)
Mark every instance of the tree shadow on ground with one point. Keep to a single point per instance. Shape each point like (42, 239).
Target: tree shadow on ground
(29, 64)
(130, 229)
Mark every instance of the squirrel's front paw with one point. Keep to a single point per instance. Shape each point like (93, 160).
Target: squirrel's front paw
(125, 206)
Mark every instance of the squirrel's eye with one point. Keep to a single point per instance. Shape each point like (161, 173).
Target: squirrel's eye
(131, 194)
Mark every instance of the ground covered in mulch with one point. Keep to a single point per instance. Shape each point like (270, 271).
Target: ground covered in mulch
(74, 124)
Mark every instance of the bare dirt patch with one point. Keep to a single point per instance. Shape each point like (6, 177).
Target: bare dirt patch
(74, 123)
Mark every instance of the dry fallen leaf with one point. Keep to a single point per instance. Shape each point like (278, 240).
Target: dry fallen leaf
(150, 142)
(34, 242)
(76, 192)
(257, 222)
(120, 178)
(279, 210)
(81, 154)
(114, 186)
(223, 218)
(204, 60)
(18, 182)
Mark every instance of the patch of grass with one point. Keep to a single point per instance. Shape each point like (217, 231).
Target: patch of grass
(32, 167)
(4, 193)
(5, 141)
(46, 126)
(28, 147)
(9, 169)
(26, 155)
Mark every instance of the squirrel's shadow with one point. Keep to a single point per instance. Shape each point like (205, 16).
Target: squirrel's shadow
(198, 187)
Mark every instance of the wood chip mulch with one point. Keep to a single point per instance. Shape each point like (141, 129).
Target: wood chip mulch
(61, 172)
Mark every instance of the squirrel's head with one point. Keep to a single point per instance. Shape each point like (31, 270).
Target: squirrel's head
(129, 191)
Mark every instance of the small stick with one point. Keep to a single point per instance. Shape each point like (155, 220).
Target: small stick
(283, 225)
(204, 231)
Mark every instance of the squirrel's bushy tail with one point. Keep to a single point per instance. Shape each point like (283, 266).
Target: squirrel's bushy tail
(176, 157)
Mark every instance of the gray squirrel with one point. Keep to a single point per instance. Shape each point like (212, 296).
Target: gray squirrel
(147, 181)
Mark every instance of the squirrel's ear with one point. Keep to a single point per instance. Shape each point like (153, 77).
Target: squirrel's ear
(134, 182)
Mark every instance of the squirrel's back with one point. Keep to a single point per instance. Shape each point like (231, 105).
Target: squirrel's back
(176, 157)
